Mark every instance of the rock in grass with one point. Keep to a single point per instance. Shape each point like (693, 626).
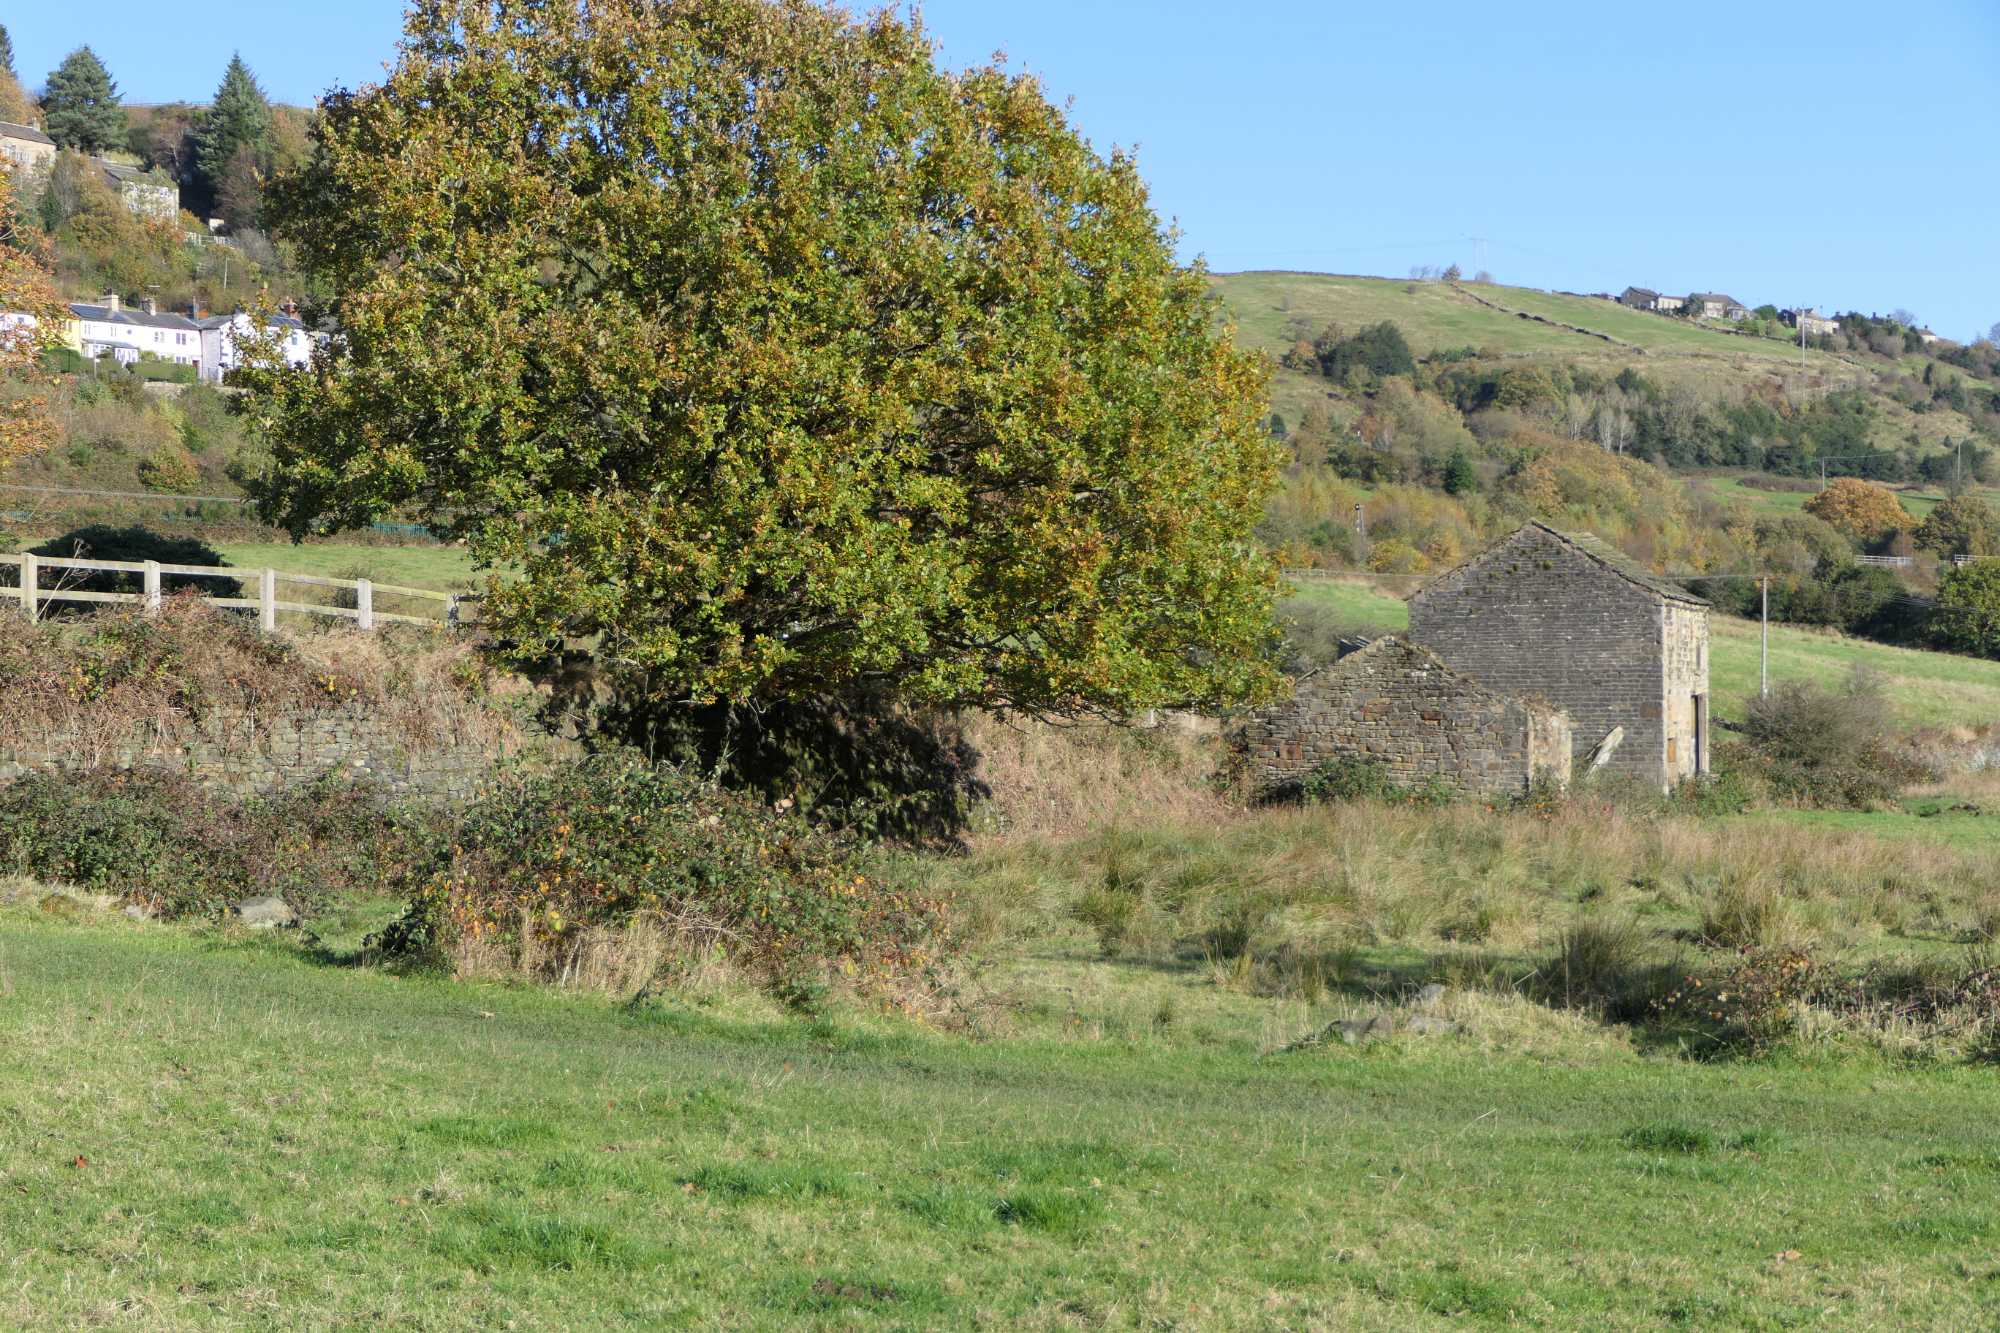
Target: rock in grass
(1429, 1026)
(138, 911)
(1430, 995)
(266, 913)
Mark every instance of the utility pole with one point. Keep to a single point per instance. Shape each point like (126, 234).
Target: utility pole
(1764, 671)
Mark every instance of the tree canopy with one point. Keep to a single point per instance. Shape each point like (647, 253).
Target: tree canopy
(34, 323)
(231, 144)
(777, 361)
(1967, 617)
(7, 53)
(1960, 525)
(81, 109)
(1861, 509)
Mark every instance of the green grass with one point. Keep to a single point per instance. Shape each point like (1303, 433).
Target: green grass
(1928, 689)
(441, 568)
(199, 1130)
(1433, 316)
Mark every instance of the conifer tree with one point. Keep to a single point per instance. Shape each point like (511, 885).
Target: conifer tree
(81, 109)
(7, 53)
(240, 119)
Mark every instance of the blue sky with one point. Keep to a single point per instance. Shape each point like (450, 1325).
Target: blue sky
(1831, 153)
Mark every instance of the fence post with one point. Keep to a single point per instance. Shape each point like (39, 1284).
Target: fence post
(29, 574)
(267, 600)
(451, 609)
(152, 587)
(364, 603)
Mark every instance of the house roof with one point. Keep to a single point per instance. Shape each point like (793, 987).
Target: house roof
(1645, 293)
(1592, 547)
(9, 130)
(1716, 296)
(137, 318)
(121, 174)
(277, 321)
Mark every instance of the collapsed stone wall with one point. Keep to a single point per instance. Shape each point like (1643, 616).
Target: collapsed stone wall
(1398, 705)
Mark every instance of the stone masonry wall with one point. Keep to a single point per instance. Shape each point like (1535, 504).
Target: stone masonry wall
(1537, 616)
(247, 754)
(1400, 706)
(1684, 692)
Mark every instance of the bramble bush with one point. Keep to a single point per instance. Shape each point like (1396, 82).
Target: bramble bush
(162, 841)
(1341, 780)
(549, 858)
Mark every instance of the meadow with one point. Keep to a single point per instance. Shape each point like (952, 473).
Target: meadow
(204, 1129)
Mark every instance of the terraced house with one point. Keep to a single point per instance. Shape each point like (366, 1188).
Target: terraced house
(107, 328)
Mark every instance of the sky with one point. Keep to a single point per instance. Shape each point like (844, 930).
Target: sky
(1834, 154)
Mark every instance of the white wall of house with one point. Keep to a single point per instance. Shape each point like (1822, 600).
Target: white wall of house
(128, 335)
(222, 339)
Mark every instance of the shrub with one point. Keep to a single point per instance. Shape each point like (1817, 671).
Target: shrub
(547, 858)
(159, 840)
(169, 468)
(1353, 779)
(1825, 747)
(1967, 618)
(103, 542)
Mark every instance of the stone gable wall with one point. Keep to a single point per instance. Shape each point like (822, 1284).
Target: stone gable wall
(1536, 616)
(1401, 708)
(248, 754)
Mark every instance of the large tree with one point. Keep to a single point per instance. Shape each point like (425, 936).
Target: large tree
(234, 135)
(778, 362)
(32, 323)
(81, 109)
(7, 54)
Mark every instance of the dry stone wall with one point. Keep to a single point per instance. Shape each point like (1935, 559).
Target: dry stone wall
(1395, 704)
(247, 754)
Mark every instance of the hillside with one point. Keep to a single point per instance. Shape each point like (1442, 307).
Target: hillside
(1273, 309)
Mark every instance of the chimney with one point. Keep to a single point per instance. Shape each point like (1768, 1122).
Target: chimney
(110, 302)
(152, 305)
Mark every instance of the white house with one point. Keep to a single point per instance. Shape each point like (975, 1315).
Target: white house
(150, 194)
(28, 148)
(107, 328)
(222, 334)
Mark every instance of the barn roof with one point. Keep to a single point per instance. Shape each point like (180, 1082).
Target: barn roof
(1594, 548)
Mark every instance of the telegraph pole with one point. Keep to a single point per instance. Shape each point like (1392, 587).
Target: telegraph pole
(1764, 671)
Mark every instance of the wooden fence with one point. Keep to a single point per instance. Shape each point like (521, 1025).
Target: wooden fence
(34, 591)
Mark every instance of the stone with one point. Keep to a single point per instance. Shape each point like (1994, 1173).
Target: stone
(1430, 995)
(1382, 1025)
(1427, 1025)
(1352, 1030)
(138, 912)
(266, 913)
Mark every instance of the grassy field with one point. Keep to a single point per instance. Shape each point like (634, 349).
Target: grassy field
(1434, 316)
(1928, 689)
(442, 568)
(206, 1130)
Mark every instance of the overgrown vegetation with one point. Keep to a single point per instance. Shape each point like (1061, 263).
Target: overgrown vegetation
(619, 873)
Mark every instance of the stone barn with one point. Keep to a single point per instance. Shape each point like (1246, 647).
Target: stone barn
(1399, 705)
(1574, 620)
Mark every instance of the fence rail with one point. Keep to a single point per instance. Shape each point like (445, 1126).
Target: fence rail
(32, 593)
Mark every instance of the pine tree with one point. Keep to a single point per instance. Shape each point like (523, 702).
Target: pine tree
(7, 53)
(81, 109)
(239, 120)
(1459, 476)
